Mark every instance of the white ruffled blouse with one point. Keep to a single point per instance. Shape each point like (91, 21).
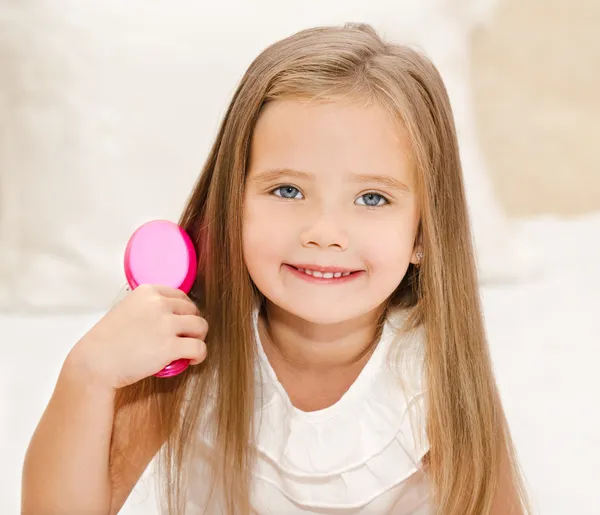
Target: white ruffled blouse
(362, 455)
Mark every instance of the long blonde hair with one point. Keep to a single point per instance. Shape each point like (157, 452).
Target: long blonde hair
(465, 423)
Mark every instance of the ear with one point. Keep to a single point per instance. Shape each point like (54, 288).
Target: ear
(417, 253)
(417, 256)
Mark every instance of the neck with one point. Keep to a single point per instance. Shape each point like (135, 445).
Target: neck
(317, 348)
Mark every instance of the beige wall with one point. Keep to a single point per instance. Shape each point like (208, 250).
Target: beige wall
(537, 82)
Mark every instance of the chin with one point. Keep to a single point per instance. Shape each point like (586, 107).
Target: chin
(321, 317)
(316, 313)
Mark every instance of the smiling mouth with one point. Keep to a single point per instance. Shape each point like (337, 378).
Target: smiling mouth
(324, 272)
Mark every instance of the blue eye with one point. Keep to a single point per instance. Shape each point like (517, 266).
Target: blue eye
(372, 200)
(287, 191)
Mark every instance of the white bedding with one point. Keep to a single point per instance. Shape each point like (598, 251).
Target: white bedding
(544, 338)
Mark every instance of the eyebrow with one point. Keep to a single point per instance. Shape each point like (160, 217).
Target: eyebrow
(280, 173)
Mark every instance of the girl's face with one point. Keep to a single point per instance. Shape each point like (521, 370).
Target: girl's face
(329, 186)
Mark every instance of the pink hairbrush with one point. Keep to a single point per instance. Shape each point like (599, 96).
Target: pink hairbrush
(161, 252)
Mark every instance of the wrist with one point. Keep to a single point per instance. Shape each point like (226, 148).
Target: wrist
(80, 372)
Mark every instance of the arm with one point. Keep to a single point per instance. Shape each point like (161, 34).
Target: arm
(67, 470)
(93, 441)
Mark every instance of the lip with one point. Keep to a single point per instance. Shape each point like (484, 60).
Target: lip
(325, 280)
(324, 269)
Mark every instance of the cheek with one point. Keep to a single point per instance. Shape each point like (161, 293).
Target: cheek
(264, 235)
(387, 246)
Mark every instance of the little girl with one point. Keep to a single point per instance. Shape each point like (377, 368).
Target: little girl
(340, 359)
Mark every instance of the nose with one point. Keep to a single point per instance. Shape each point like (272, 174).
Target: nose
(324, 233)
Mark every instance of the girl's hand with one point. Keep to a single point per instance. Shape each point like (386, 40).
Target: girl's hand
(150, 328)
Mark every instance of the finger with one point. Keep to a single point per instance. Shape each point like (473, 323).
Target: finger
(168, 291)
(192, 349)
(192, 326)
(183, 307)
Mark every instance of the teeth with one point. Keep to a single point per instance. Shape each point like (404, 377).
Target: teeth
(324, 275)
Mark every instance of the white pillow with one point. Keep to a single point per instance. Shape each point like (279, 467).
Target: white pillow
(106, 98)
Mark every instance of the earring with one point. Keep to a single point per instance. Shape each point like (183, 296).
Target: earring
(419, 255)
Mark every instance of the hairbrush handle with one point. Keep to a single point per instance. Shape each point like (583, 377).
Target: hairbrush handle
(161, 252)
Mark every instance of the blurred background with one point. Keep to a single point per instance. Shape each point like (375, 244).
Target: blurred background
(107, 110)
